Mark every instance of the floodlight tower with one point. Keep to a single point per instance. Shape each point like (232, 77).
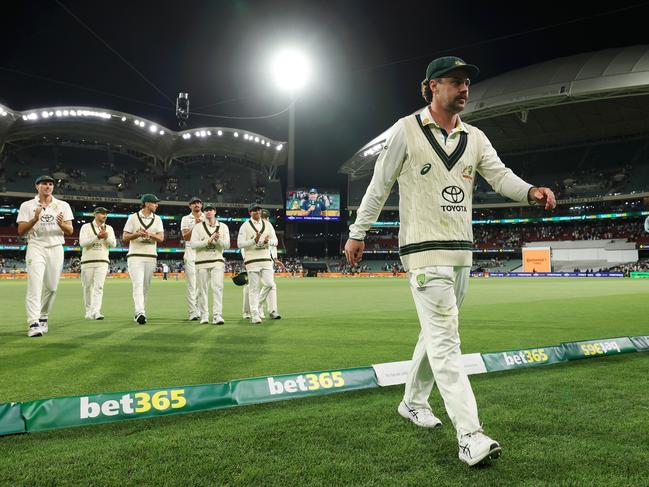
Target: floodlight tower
(291, 70)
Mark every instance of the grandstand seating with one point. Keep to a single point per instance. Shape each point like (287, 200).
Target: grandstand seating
(99, 173)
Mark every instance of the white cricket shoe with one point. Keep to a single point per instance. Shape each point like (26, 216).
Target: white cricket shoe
(98, 316)
(476, 448)
(42, 322)
(34, 330)
(194, 317)
(246, 316)
(204, 321)
(421, 417)
(88, 316)
(256, 321)
(217, 320)
(274, 316)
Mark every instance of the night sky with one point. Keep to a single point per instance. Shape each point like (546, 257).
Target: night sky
(369, 58)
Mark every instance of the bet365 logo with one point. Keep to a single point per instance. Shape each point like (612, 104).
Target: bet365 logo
(139, 402)
(307, 382)
(524, 357)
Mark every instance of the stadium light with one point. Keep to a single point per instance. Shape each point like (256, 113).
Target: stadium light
(291, 70)
(236, 134)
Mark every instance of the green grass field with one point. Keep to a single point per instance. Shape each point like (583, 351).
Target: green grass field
(582, 423)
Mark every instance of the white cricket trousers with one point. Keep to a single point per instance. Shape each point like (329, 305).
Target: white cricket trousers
(44, 266)
(260, 283)
(438, 293)
(271, 300)
(141, 274)
(92, 280)
(246, 299)
(190, 278)
(207, 277)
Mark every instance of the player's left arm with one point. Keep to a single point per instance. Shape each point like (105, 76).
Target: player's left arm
(505, 182)
(111, 240)
(196, 241)
(64, 220)
(245, 239)
(272, 237)
(280, 264)
(224, 237)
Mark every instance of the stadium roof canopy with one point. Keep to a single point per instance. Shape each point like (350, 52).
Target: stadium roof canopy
(135, 136)
(567, 101)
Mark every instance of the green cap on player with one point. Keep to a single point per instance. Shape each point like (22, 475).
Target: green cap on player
(209, 206)
(44, 179)
(100, 209)
(254, 206)
(442, 65)
(149, 198)
(195, 199)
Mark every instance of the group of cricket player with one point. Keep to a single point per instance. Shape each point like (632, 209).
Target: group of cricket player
(45, 221)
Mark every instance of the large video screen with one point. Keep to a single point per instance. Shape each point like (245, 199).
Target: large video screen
(313, 204)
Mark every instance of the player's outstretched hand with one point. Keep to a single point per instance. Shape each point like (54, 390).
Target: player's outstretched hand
(543, 196)
(354, 251)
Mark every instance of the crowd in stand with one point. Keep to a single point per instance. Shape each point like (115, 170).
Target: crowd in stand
(293, 265)
(514, 236)
(641, 266)
(11, 266)
(344, 267)
(485, 264)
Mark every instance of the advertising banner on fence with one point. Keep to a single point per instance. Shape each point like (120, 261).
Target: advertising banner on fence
(11, 421)
(395, 373)
(639, 275)
(65, 412)
(598, 348)
(641, 343)
(553, 274)
(536, 259)
(518, 359)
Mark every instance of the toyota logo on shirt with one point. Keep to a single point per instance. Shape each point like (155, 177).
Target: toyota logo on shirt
(47, 218)
(453, 194)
